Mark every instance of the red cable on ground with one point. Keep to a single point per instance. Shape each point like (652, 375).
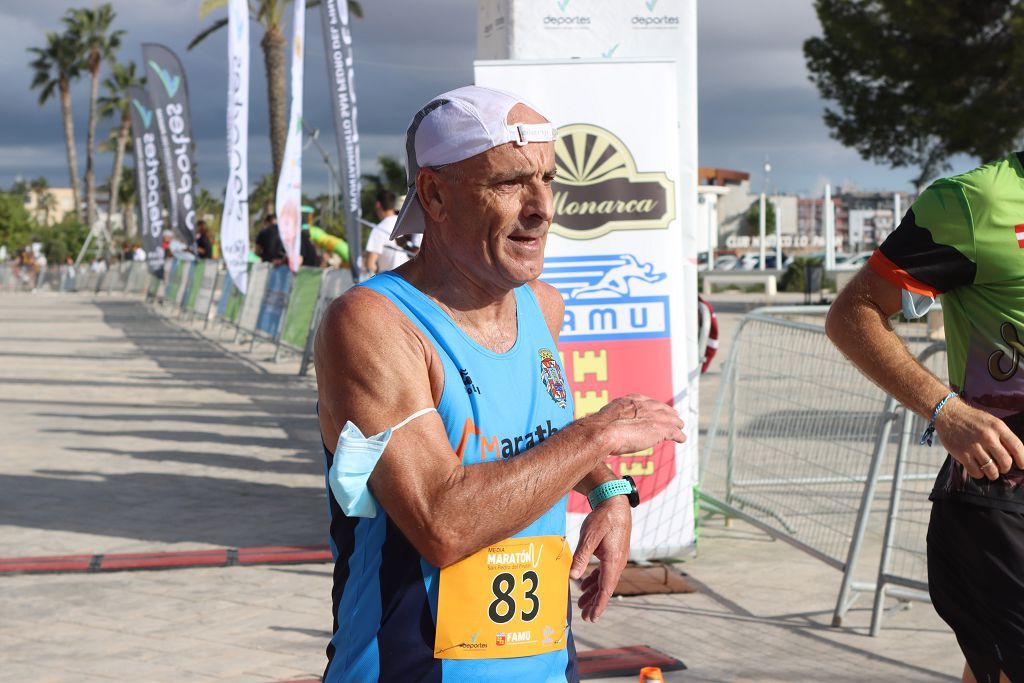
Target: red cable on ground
(218, 557)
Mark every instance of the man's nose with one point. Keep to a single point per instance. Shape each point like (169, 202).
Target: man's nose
(539, 204)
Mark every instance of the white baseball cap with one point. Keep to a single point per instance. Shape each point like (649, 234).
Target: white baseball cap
(455, 126)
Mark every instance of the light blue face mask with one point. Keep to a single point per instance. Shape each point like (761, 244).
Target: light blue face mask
(354, 460)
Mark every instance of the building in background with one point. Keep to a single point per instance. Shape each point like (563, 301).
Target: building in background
(726, 205)
(49, 207)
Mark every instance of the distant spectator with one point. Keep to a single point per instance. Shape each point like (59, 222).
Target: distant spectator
(139, 254)
(269, 247)
(383, 253)
(204, 245)
(310, 256)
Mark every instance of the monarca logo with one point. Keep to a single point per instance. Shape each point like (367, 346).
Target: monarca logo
(599, 189)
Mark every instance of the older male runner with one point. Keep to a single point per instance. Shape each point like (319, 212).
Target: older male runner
(450, 361)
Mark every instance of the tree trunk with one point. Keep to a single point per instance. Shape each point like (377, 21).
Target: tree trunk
(90, 174)
(129, 218)
(115, 178)
(69, 142)
(273, 59)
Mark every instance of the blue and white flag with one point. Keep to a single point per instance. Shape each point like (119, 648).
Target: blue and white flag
(288, 203)
(234, 222)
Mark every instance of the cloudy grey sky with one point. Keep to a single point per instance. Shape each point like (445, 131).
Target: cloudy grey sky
(754, 97)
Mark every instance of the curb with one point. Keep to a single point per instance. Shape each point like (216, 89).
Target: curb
(114, 562)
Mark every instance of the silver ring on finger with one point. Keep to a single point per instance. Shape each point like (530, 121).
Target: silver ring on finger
(986, 464)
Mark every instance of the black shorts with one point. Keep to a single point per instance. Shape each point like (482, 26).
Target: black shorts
(976, 580)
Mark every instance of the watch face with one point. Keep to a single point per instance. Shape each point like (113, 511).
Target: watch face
(634, 496)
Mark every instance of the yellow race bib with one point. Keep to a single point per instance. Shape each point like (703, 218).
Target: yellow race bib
(506, 600)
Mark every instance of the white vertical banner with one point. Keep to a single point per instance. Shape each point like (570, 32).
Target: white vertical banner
(288, 204)
(234, 222)
(615, 253)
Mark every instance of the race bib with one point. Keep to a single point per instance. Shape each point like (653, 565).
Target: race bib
(507, 600)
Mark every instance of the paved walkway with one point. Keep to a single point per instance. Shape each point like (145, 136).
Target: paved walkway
(123, 432)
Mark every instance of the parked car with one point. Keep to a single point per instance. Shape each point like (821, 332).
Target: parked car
(726, 262)
(752, 261)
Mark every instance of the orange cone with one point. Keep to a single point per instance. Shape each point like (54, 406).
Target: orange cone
(651, 674)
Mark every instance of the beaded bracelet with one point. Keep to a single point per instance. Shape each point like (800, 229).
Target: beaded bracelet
(929, 431)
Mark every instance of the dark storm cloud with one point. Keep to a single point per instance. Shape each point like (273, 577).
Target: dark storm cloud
(755, 99)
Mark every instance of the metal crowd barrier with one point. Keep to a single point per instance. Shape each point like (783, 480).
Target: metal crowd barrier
(904, 559)
(205, 291)
(334, 284)
(298, 311)
(796, 444)
(251, 303)
(272, 308)
(277, 307)
(184, 282)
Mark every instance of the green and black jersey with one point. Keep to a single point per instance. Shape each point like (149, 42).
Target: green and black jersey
(963, 239)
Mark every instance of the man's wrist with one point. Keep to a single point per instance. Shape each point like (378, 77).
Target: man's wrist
(617, 488)
(947, 411)
(613, 502)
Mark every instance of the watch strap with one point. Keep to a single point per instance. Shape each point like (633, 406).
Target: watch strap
(609, 489)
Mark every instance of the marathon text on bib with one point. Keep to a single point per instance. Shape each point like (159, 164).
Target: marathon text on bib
(506, 600)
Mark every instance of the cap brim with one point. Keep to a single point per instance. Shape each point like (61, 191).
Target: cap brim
(411, 219)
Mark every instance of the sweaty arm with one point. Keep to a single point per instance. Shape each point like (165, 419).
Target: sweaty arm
(858, 324)
(374, 369)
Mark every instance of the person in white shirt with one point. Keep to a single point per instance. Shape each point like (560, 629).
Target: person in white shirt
(383, 253)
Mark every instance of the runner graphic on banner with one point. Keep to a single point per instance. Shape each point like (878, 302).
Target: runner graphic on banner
(234, 223)
(334, 18)
(147, 178)
(165, 82)
(288, 204)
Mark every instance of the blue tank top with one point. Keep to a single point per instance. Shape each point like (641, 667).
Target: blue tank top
(493, 405)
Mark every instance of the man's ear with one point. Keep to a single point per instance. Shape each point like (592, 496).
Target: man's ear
(431, 190)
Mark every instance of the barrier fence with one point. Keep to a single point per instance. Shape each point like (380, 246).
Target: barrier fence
(797, 443)
(278, 308)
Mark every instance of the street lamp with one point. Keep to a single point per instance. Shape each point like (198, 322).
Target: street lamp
(762, 220)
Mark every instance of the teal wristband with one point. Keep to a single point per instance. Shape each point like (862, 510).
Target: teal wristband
(610, 489)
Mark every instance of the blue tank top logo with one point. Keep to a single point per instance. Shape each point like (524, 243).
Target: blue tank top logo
(551, 376)
(494, 446)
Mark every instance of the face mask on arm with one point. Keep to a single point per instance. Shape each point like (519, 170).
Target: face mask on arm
(354, 460)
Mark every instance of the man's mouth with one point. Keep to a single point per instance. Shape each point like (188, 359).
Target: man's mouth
(526, 239)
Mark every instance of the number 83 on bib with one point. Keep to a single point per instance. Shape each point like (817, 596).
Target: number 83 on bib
(509, 599)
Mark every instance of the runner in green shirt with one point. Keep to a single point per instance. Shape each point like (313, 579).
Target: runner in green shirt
(962, 239)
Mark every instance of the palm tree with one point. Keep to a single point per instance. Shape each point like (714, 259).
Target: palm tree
(390, 177)
(56, 65)
(97, 43)
(39, 188)
(208, 204)
(126, 195)
(46, 202)
(116, 103)
(269, 14)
